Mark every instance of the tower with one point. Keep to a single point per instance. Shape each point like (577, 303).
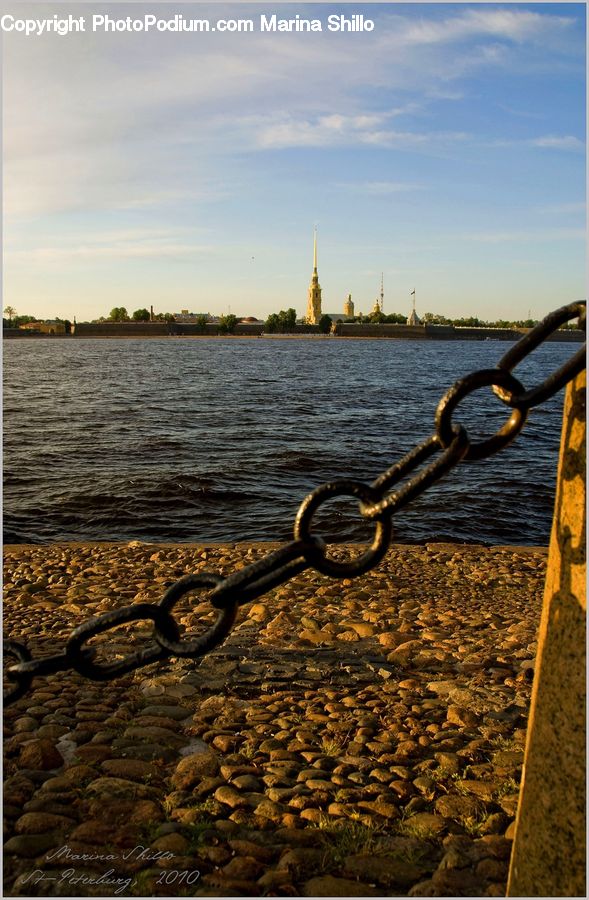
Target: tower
(413, 318)
(378, 304)
(314, 297)
(349, 307)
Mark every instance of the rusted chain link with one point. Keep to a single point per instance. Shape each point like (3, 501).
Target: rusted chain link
(378, 503)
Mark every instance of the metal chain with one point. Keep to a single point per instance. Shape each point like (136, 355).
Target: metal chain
(378, 503)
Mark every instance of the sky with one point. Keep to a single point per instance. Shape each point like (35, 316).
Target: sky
(444, 149)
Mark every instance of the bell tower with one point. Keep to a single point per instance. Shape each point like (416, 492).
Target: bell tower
(314, 295)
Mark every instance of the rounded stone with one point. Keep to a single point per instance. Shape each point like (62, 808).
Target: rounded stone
(25, 724)
(41, 822)
(40, 754)
(171, 843)
(191, 769)
(457, 807)
(107, 787)
(230, 797)
(31, 845)
(243, 868)
(330, 886)
(130, 769)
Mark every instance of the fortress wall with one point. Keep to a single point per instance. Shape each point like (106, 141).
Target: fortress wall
(121, 329)
(342, 329)
(404, 332)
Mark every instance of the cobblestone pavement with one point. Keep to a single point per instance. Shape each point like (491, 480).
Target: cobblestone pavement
(355, 738)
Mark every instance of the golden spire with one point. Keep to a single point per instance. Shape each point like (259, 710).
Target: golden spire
(314, 295)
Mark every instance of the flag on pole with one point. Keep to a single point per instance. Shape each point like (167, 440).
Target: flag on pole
(412, 292)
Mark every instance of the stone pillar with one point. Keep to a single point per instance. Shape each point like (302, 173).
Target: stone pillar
(548, 857)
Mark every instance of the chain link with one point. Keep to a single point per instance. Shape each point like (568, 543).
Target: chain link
(377, 505)
(484, 378)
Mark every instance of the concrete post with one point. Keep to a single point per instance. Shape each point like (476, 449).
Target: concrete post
(548, 858)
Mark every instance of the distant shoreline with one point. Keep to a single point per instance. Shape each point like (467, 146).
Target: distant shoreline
(475, 334)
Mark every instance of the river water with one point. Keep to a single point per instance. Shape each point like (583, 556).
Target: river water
(220, 439)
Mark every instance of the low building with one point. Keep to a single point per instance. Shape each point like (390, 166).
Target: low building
(190, 318)
(44, 327)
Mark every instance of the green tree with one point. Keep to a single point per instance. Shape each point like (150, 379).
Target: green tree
(141, 315)
(227, 324)
(201, 322)
(470, 322)
(11, 313)
(324, 324)
(272, 323)
(287, 320)
(284, 321)
(434, 319)
(118, 314)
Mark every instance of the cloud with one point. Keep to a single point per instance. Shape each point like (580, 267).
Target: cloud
(147, 243)
(507, 24)
(99, 178)
(340, 130)
(432, 51)
(521, 113)
(148, 122)
(567, 142)
(558, 142)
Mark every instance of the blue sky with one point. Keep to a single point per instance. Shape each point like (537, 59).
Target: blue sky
(445, 148)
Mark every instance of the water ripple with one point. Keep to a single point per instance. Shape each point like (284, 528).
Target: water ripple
(220, 440)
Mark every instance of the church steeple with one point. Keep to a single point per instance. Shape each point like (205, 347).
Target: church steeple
(314, 296)
(377, 308)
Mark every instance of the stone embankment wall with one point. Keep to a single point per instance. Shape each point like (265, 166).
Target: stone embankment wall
(445, 333)
(161, 329)
(25, 333)
(122, 329)
(343, 329)
(256, 329)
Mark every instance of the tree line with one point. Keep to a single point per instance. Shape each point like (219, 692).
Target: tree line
(284, 321)
(226, 324)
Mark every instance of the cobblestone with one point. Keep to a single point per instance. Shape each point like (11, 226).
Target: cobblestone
(382, 759)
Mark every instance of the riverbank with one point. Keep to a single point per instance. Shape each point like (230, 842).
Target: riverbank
(355, 738)
(342, 330)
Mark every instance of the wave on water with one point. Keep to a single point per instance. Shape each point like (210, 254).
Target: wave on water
(221, 441)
